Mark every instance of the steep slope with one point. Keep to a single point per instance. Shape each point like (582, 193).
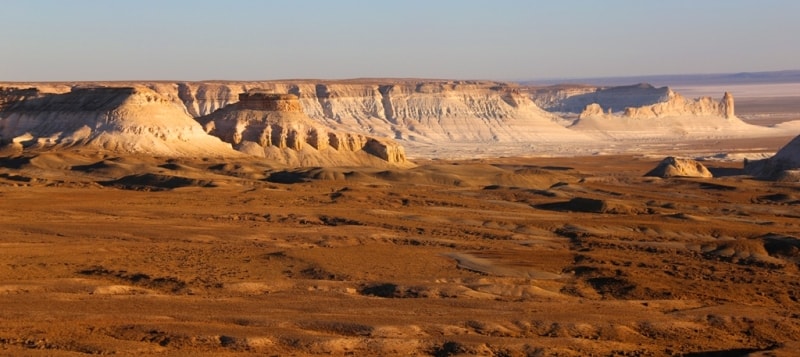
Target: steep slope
(783, 166)
(274, 126)
(449, 119)
(429, 112)
(573, 99)
(126, 119)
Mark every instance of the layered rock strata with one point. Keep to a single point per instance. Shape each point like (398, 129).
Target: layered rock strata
(676, 105)
(124, 119)
(274, 126)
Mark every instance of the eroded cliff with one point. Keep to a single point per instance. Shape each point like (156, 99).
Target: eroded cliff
(677, 117)
(574, 98)
(676, 105)
(274, 126)
(414, 112)
(126, 119)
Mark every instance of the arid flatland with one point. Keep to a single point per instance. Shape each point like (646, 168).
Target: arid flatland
(508, 257)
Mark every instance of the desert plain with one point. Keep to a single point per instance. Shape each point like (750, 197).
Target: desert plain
(104, 252)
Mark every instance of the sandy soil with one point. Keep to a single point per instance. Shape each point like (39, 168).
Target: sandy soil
(504, 257)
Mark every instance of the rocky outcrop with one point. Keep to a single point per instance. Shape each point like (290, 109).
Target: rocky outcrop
(552, 98)
(124, 119)
(727, 106)
(274, 126)
(418, 113)
(676, 118)
(591, 111)
(256, 100)
(676, 167)
(433, 118)
(783, 166)
(573, 99)
(676, 106)
(9, 96)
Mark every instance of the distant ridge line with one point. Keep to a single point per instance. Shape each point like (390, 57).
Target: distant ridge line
(768, 77)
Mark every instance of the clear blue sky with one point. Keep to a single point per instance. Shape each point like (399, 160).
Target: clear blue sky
(465, 39)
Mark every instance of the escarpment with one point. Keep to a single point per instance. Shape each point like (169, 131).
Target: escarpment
(573, 99)
(676, 117)
(430, 118)
(274, 126)
(677, 105)
(123, 119)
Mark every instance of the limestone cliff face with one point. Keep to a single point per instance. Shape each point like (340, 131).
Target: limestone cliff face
(553, 98)
(677, 117)
(129, 119)
(574, 98)
(409, 111)
(421, 114)
(274, 126)
(676, 105)
(9, 96)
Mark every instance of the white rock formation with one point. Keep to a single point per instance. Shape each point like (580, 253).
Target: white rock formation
(677, 106)
(274, 126)
(435, 118)
(677, 167)
(677, 118)
(783, 166)
(574, 98)
(127, 119)
(428, 112)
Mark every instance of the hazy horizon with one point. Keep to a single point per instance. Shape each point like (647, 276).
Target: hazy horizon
(93, 40)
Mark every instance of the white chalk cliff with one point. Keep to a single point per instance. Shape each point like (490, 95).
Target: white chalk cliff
(574, 98)
(414, 112)
(430, 118)
(274, 126)
(677, 117)
(126, 119)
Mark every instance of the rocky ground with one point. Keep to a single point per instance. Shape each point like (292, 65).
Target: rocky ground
(505, 257)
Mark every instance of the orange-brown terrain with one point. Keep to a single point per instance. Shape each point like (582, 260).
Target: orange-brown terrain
(135, 255)
(284, 218)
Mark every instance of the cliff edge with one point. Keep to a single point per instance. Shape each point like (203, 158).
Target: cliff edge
(274, 126)
(122, 119)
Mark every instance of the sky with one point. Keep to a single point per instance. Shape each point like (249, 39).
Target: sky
(57, 40)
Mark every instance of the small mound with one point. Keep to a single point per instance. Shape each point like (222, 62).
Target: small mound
(119, 290)
(676, 167)
(778, 198)
(686, 217)
(155, 182)
(743, 250)
(782, 246)
(592, 205)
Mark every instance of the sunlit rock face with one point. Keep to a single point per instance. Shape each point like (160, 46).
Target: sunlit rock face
(274, 126)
